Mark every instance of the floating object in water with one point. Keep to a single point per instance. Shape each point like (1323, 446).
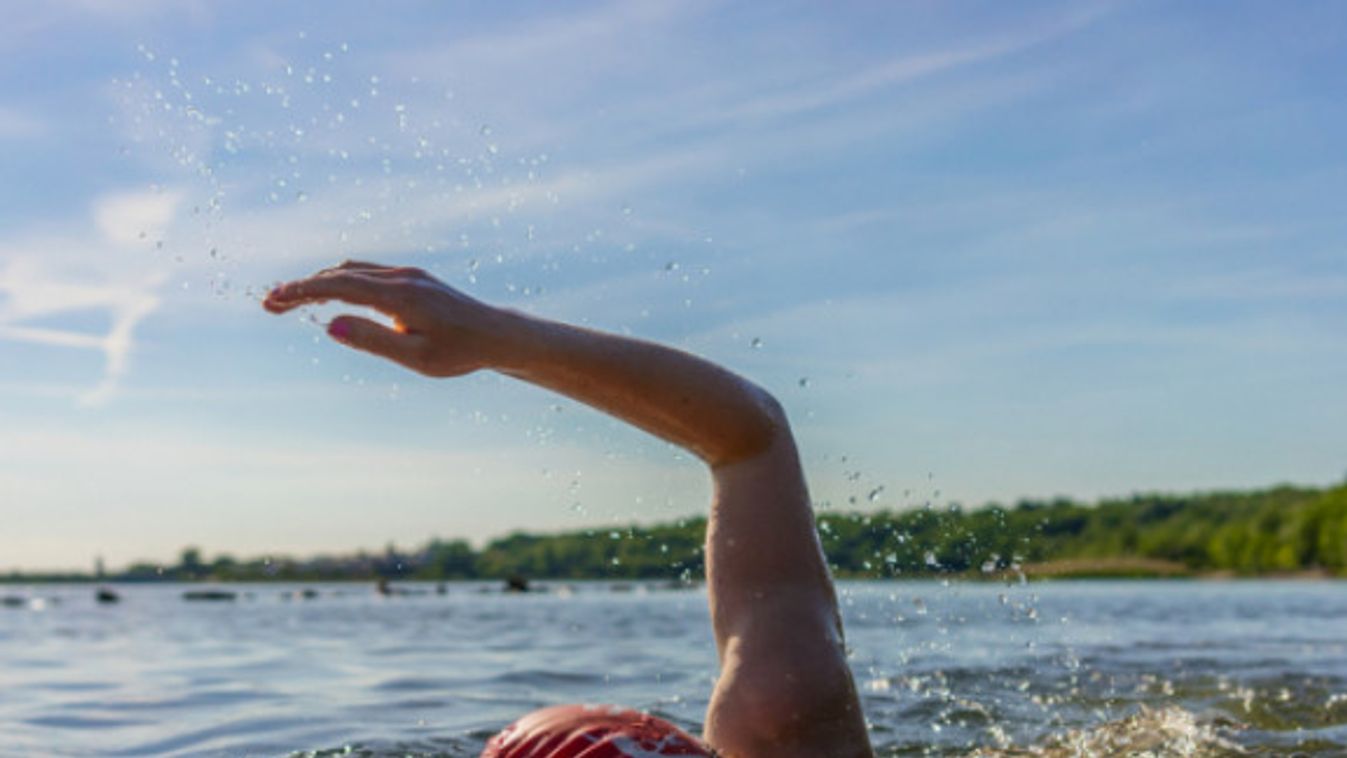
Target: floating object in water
(308, 593)
(107, 596)
(385, 588)
(13, 601)
(516, 583)
(210, 596)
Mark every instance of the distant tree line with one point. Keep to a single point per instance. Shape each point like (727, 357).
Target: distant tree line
(1283, 529)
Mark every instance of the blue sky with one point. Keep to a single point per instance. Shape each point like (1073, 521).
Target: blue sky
(981, 251)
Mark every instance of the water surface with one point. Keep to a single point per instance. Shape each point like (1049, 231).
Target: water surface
(1178, 668)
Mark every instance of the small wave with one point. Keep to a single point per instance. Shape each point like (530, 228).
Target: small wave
(1167, 732)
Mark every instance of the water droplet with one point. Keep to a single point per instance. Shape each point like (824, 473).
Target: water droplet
(803, 382)
(874, 494)
(485, 131)
(756, 343)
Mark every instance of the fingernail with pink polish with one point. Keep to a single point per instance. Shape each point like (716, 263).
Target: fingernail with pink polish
(339, 330)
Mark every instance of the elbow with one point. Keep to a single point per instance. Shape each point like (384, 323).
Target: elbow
(759, 426)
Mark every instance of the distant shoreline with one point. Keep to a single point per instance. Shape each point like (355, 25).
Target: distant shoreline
(1057, 571)
(1279, 532)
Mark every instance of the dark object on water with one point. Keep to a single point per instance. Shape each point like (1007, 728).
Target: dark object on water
(516, 583)
(308, 593)
(210, 595)
(106, 596)
(13, 601)
(441, 589)
(388, 590)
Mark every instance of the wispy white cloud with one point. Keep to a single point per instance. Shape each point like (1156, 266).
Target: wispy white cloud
(612, 23)
(904, 69)
(31, 25)
(55, 277)
(128, 218)
(382, 217)
(30, 291)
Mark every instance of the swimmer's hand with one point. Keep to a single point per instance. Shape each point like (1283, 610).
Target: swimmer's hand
(437, 330)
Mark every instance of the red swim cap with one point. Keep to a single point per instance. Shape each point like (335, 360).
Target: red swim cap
(592, 731)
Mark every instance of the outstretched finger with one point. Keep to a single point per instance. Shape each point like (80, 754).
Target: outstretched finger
(346, 286)
(372, 337)
(353, 265)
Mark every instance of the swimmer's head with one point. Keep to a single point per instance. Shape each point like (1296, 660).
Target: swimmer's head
(600, 731)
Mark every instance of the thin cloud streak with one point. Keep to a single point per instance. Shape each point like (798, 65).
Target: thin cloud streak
(128, 306)
(904, 70)
(45, 279)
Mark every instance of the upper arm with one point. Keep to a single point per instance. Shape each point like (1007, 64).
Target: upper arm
(784, 686)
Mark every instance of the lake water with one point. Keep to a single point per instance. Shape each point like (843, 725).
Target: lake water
(1098, 668)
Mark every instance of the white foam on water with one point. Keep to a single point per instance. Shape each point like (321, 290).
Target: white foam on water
(1167, 732)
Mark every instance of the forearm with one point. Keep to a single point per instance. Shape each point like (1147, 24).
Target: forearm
(761, 536)
(691, 402)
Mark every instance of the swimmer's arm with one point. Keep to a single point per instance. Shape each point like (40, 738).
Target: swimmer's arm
(784, 687)
(439, 331)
